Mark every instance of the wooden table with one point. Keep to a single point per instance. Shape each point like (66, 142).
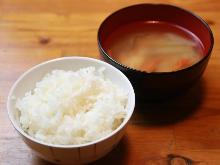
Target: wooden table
(187, 127)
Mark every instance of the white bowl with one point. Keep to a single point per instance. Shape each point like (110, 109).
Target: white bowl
(69, 154)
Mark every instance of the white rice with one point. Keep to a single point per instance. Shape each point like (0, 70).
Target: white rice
(68, 107)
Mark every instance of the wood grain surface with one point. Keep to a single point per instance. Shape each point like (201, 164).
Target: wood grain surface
(185, 130)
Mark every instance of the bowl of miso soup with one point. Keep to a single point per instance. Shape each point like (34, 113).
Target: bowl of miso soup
(162, 49)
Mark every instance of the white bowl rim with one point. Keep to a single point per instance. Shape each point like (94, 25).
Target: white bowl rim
(125, 121)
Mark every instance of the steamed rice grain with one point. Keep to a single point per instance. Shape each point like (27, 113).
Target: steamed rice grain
(68, 107)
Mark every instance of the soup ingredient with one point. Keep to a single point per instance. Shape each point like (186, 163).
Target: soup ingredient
(68, 107)
(154, 46)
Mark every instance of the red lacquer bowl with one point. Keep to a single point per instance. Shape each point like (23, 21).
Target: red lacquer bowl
(158, 85)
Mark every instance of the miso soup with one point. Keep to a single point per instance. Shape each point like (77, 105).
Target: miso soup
(154, 46)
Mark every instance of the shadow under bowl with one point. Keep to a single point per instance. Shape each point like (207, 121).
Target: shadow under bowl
(158, 85)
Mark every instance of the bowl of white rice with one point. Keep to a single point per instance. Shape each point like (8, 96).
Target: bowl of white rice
(71, 110)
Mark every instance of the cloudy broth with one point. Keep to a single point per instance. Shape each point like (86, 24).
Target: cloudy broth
(154, 46)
